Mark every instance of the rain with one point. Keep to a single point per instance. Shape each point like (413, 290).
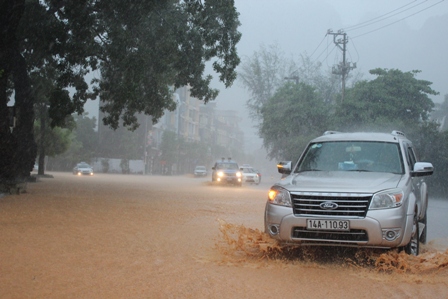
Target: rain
(137, 221)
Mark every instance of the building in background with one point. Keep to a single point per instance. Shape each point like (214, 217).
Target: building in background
(193, 125)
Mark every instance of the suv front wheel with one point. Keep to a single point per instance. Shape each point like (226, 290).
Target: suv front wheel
(413, 246)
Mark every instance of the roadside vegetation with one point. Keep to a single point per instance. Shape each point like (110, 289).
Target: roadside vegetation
(289, 113)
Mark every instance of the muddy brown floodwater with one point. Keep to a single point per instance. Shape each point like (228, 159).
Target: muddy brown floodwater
(118, 236)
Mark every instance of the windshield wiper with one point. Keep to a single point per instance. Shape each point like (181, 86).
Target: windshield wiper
(304, 170)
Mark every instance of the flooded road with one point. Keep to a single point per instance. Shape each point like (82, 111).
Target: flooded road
(118, 236)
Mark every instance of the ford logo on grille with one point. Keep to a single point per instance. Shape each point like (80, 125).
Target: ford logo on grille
(328, 205)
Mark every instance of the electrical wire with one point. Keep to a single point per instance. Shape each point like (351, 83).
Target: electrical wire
(326, 49)
(318, 46)
(398, 20)
(357, 53)
(382, 17)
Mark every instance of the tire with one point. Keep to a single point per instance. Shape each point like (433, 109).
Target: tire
(424, 233)
(413, 246)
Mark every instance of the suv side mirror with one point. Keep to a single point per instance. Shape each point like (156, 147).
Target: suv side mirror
(284, 167)
(422, 169)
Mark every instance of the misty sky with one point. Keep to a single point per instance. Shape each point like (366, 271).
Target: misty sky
(382, 33)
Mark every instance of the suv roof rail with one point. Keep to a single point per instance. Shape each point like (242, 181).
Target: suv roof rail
(331, 132)
(395, 132)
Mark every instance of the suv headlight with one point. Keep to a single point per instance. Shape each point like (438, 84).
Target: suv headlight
(220, 174)
(279, 196)
(387, 199)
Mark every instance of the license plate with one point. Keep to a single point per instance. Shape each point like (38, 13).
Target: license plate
(328, 224)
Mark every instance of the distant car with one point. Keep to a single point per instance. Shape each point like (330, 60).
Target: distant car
(83, 169)
(200, 171)
(227, 171)
(250, 175)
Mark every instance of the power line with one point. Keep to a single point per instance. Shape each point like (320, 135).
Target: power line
(398, 20)
(318, 46)
(382, 17)
(324, 50)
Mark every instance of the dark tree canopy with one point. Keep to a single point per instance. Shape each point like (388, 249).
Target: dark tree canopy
(149, 54)
(393, 100)
(291, 117)
(143, 50)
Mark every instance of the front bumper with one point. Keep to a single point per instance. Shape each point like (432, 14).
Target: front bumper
(84, 173)
(200, 174)
(369, 231)
(251, 179)
(230, 180)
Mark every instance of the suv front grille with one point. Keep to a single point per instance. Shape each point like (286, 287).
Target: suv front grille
(342, 204)
(354, 235)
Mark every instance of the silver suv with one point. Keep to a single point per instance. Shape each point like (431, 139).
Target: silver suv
(352, 189)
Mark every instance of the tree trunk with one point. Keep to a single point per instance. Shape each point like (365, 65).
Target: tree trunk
(11, 13)
(25, 154)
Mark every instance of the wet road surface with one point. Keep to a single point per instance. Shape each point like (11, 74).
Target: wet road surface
(125, 236)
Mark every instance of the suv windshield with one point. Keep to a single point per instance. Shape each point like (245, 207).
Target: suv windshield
(352, 156)
(227, 166)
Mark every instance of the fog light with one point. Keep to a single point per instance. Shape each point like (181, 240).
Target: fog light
(274, 229)
(391, 234)
(218, 179)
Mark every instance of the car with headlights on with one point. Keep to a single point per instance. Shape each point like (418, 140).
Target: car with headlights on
(83, 169)
(352, 189)
(227, 171)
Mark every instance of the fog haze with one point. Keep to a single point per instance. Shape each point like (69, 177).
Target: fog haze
(404, 35)
(401, 34)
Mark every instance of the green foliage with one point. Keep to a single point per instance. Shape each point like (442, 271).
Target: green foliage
(55, 140)
(150, 47)
(82, 146)
(394, 100)
(431, 146)
(291, 117)
(140, 47)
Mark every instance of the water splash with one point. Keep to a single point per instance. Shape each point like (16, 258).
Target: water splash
(239, 243)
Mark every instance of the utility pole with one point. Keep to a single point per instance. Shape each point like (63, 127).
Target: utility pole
(344, 67)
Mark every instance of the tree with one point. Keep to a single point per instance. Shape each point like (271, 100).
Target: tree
(154, 45)
(83, 144)
(295, 114)
(268, 70)
(86, 134)
(261, 75)
(394, 100)
(169, 148)
(397, 100)
(141, 48)
(52, 125)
